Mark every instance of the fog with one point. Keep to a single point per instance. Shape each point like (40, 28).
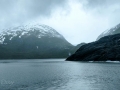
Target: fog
(77, 20)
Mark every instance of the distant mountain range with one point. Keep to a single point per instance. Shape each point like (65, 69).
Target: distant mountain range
(33, 42)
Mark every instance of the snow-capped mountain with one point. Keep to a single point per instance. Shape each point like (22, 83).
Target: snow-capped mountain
(25, 31)
(112, 31)
(33, 41)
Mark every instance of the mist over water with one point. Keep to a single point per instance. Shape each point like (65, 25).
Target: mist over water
(56, 74)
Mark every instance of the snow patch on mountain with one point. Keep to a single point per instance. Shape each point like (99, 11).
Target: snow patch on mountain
(114, 28)
(37, 30)
(109, 31)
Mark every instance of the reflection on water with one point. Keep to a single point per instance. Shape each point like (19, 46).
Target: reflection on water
(58, 74)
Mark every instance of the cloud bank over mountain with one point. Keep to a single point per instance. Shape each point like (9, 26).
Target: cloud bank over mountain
(77, 20)
(19, 11)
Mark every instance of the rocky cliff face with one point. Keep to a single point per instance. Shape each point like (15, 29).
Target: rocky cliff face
(106, 48)
(34, 41)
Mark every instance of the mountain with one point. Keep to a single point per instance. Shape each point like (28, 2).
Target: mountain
(33, 41)
(77, 47)
(112, 31)
(106, 48)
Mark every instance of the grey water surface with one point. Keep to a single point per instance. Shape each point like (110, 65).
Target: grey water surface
(57, 74)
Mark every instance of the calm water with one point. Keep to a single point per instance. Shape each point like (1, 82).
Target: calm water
(58, 75)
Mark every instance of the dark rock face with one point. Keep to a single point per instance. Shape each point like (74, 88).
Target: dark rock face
(77, 47)
(33, 42)
(106, 48)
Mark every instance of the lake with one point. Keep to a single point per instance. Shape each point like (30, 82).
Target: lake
(58, 74)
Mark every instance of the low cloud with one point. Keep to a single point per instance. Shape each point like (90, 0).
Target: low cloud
(15, 12)
(77, 20)
(99, 3)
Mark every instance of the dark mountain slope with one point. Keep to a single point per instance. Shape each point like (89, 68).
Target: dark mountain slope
(106, 48)
(34, 41)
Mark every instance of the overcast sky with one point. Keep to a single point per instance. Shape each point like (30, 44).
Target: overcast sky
(77, 20)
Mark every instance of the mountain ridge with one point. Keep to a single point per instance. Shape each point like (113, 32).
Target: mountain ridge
(112, 31)
(35, 41)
